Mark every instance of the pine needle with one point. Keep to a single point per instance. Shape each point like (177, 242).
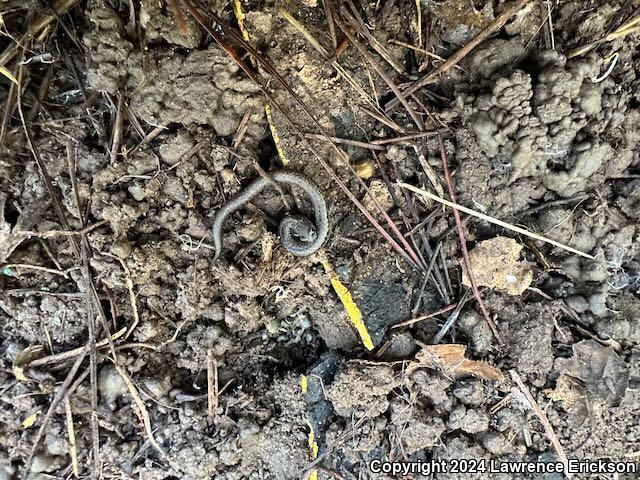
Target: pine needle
(5, 72)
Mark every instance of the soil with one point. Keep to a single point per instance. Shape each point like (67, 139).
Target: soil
(132, 126)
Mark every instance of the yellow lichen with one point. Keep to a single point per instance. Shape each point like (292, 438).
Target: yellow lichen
(353, 312)
(276, 136)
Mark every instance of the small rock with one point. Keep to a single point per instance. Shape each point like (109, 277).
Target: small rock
(598, 304)
(494, 442)
(578, 303)
(137, 192)
(111, 385)
(469, 391)
(45, 463)
(122, 247)
(401, 346)
(173, 149)
(477, 330)
(364, 169)
(430, 385)
(378, 191)
(508, 419)
(417, 428)
(470, 421)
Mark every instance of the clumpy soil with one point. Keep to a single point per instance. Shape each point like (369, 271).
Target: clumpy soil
(132, 126)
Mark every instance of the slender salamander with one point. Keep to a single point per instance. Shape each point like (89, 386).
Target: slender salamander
(298, 235)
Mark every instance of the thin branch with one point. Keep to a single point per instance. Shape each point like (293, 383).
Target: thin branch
(132, 295)
(64, 273)
(212, 383)
(543, 420)
(117, 129)
(446, 326)
(406, 323)
(344, 141)
(59, 396)
(72, 438)
(63, 233)
(144, 413)
(69, 354)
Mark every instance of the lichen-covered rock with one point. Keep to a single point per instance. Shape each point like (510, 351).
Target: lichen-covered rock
(204, 87)
(159, 23)
(548, 125)
(364, 386)
(108, 49)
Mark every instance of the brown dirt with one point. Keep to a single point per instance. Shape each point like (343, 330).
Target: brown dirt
(237, 361)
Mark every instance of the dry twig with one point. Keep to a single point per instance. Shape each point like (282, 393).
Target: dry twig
(117, 129)
(69, 354)
(543, 420)
(627, 28)
(142, 409)
(73, 449)
(212, 383)
(63, 233)
(132, 294)
(440, 311)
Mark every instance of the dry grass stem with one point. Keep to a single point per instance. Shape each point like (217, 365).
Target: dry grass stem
(63, 273)
(345, 141)
(495, 221)
(73, 449)
(627, 28)
(142, 409)
(63, 233)
(69, 354)
(406, 323)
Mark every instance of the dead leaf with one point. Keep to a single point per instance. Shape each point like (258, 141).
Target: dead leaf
(567, 390)
(30, 420)
(450, 360)
(11, 238)
(495, 263)
(604, 374)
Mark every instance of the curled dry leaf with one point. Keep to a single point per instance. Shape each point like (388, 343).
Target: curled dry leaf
(23, 358)
(451, 361)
